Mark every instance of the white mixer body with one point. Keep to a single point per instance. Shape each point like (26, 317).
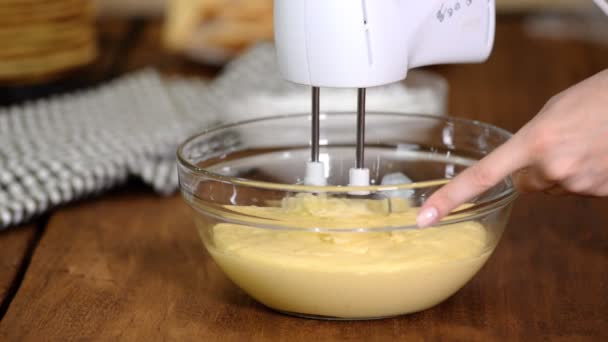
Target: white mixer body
(365, 43)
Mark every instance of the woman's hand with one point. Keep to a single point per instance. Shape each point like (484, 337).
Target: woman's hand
(564, 149)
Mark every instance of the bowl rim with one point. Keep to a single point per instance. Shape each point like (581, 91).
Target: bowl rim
(502, 199)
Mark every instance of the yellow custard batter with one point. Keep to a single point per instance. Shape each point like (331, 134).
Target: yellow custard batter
(347, 274)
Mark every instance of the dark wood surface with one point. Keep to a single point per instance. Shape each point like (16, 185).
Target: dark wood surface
(130, 266)
(13, 252)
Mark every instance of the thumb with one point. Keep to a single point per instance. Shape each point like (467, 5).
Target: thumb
(473, 181)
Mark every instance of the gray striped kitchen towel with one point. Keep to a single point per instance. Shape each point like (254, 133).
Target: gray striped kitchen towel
(60, 149)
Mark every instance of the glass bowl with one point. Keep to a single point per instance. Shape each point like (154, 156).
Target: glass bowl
(324, 252)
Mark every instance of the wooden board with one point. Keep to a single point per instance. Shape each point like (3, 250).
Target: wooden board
(14, 246)
(132, 267)
(542, 5)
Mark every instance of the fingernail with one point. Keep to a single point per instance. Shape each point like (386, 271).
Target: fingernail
(427, 217)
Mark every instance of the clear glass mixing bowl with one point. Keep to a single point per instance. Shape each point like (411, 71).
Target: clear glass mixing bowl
(321, 251)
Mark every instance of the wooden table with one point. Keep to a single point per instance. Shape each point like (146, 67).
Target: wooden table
(129, 265)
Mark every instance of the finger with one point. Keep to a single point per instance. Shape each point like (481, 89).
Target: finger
(603, 190)
(581, 184)
(556, 190)
(531, 179)
(473, 181)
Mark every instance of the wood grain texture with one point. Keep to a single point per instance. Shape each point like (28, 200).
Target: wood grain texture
(130, 266)
(14, 245)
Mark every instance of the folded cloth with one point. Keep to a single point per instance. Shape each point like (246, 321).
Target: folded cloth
(57, 150)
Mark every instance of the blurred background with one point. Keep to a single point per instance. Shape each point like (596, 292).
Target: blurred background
(51, 46)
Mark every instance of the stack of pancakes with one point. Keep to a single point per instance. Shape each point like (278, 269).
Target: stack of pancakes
(41, 39)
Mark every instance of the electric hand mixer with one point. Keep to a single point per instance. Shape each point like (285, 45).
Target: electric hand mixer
(366, 43)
